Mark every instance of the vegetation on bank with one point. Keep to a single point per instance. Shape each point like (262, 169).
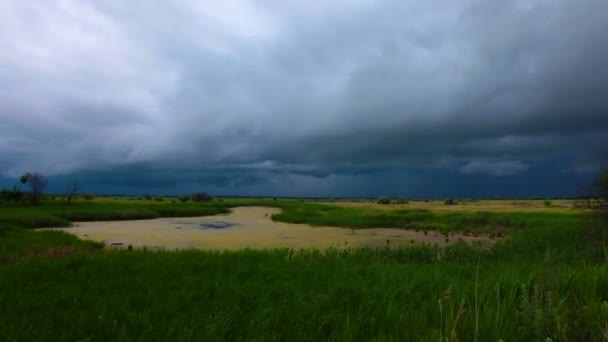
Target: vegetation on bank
(61, 214)
(418, 219)
(547, 279)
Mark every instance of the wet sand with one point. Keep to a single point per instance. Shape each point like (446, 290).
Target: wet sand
(246, 227)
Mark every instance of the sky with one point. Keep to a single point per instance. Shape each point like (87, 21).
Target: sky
(315, 98)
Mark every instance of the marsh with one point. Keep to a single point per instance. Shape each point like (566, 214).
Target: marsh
(248, 227)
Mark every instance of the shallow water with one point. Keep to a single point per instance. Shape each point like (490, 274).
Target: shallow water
(245, 227)
(217, 225)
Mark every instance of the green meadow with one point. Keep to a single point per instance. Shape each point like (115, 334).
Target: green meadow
(545, 277)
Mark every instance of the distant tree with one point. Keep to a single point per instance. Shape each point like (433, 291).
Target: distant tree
(201, 197)
(37, 184)
(184, 198)
(450, 201)
(14, 195)
(596, 195)
(402, 200)
(384, 200)
(88, 196)
(71, 190)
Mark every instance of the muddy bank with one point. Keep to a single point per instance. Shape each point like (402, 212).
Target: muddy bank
(246, 227)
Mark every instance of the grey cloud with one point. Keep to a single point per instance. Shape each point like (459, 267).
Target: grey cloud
(302, 89)
(497, 168)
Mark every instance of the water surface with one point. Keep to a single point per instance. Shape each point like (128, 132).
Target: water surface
(245, 227)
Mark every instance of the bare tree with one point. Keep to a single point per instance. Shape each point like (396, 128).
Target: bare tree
(37, 184)
(596, 195)
(71, 190)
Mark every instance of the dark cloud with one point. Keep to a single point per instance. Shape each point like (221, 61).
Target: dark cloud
(499, 168)
(302, 97)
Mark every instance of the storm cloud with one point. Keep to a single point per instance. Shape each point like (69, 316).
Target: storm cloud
(306, 97)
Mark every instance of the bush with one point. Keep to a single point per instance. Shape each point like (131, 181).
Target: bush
(595, 196)
(401, 200)
(147, 197)
(384, 200)
(547, 203)
(184, 198)
(159, 198)
(14, 195)
(88, 196)
(450, 201)
(201, 197)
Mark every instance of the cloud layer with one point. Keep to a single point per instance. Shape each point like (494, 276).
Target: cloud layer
(302, 89)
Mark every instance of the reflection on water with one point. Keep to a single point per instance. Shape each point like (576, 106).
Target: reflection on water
(217, 225)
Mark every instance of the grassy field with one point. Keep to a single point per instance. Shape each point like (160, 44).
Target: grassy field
(528, 205)
(546, 278)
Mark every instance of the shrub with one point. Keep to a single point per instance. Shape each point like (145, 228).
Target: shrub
(147, 197)
(201, 197)
(159, 198)
(14, 195)
(547, 203)
(450, 201)
(595, 196)
(401, 200)
(88, 196)
(184, 198)
(384, 200)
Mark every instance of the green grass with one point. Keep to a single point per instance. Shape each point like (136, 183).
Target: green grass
(419, 219)
(548, 278)
(59, 213)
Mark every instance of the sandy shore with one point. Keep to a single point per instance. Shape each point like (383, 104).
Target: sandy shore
(248, 227)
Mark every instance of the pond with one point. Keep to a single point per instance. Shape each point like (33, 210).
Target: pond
(246, 227)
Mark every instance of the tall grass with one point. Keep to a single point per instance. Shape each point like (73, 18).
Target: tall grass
(547, 279)
(307, 295)
(420, 219)
(60, 214)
